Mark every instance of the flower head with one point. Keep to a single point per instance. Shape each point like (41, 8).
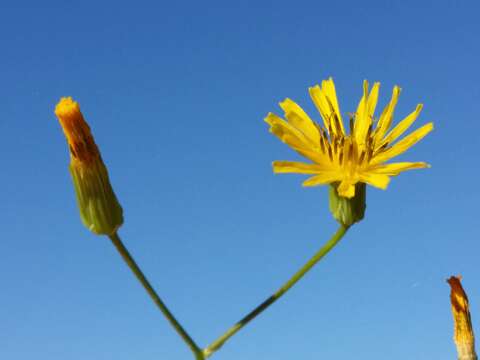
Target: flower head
(99, 207)
(340, 158)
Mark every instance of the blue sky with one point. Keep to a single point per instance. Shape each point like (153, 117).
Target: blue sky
(176, 95)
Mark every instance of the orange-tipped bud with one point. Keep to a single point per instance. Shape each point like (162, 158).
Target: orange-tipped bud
(99, 208)
(463, 332)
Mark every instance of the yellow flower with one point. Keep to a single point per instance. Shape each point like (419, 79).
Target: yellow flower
(99, 208)
(341, 158)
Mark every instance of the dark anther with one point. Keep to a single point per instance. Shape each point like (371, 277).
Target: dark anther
(330, 155)
(362, 156)
(322, 145)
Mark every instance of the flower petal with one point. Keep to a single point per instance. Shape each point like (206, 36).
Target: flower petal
(296, 167)
(282, 129)
(385, 120)
(402, 126)
(403, 145)
(364, 115)
(299, 119)
(377, 180)
(361, 116)
(294, 138)
(372, 100)
(318, 98)
(396, 168)
(325, 99)
(321, 179)
(346, 189)
(328, 88)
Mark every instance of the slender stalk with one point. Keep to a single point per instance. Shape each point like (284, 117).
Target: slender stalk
(217, 344)
(156, 299)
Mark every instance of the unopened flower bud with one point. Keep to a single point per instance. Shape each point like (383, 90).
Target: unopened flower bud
(463, 336)
(99, 208)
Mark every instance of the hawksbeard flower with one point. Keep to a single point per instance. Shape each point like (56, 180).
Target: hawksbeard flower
(346, 160)
(99, 208)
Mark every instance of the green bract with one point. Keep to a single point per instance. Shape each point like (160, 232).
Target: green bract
(348, 211)
(99, 208)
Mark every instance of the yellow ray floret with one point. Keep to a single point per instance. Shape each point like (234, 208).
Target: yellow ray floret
(341, 158)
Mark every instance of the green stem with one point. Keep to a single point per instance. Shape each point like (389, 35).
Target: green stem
(156, 299)
(217, 344)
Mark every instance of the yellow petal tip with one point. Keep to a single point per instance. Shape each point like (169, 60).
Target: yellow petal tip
(67, 108)
(268, 118)
(428, 127)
